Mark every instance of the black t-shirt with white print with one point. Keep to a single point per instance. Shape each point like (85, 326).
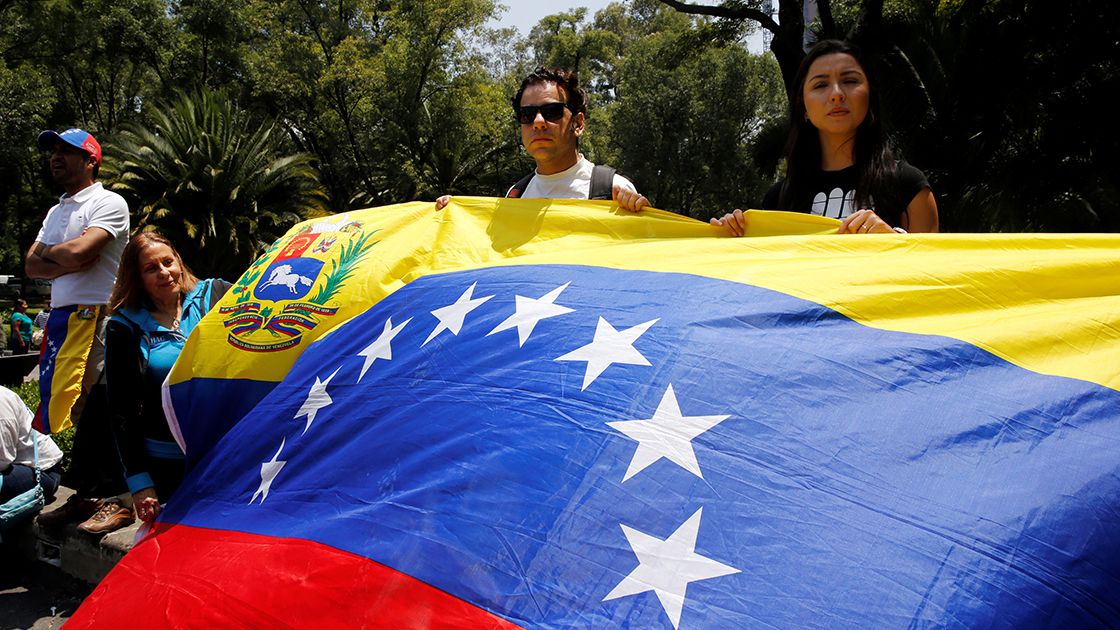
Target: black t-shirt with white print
(835, 191)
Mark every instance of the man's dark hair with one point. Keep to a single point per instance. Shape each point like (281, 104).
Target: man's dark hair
(567, 80)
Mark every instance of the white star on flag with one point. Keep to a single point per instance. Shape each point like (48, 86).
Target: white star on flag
(269, 470)
(668, 566)
(451, 316)
(381, 348)
(317, 398)
(529, 311)
(609, 347)
(668, 434)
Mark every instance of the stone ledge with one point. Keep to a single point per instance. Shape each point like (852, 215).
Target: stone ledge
(85, 556)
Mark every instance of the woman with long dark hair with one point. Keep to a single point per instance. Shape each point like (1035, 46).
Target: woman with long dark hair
(155, 305)
(838, 163)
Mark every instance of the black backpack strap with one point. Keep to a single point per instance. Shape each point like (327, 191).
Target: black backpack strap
(602, 183)
(520, 186)
(218, 288)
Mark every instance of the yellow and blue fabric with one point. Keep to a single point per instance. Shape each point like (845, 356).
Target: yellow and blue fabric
(67, 341)
(551, 414)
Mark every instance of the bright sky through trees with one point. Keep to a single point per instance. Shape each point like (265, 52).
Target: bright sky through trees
(524, 15)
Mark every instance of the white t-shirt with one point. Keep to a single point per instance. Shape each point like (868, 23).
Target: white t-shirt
(15, 435)
(92, 207)
(573, 183)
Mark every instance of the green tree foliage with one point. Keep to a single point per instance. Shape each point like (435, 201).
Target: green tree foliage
(430, 126)
(105, 58)
(389, 95)
(1005, 101)
(564, 40)
(787, 32)
(219, 184)
(212, 39)
(690, 113)
(25, 93)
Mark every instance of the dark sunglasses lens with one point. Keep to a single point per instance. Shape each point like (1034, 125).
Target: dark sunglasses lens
(550, 111)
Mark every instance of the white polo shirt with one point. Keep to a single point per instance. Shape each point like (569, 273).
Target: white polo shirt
(91, 207)
(16, 435)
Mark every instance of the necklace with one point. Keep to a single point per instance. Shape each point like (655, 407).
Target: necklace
(173, 321)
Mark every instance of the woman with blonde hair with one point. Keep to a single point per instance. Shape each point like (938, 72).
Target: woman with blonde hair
(155, 305)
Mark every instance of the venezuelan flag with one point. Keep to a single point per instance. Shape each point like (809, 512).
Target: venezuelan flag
(67, 341)
(552, 414)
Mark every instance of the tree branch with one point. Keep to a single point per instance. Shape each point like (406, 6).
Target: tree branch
(740, 13)
(828, 24)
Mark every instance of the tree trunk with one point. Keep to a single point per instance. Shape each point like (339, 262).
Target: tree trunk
(789, 30)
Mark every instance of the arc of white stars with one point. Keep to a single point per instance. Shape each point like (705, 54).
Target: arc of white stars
(609, 346)
(667, 435)
(451, 317)
(668, 566)
(381, 348)
(317, 398)
(269, 470)
(530, 311)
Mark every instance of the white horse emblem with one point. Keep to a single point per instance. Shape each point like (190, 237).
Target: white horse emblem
(283, 275)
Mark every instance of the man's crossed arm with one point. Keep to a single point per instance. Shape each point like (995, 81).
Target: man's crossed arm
(76, 254)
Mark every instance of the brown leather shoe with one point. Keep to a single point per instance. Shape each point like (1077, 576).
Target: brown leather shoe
(111, 517)
(75, 509)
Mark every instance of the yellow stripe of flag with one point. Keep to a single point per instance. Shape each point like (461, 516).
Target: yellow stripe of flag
(1048, 303)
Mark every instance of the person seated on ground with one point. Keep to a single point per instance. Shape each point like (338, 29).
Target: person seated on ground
(551, 109)
(837, 160)
(155, 305)
(17, 451)
(20, 338)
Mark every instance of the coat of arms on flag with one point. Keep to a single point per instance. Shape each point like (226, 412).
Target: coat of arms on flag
(275, 304)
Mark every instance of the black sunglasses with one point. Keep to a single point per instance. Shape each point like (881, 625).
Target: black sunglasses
(552, 112)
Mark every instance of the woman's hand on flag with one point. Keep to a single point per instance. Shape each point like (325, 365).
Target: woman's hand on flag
(734, 223)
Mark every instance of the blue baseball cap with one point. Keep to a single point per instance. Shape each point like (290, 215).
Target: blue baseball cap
(79, 138)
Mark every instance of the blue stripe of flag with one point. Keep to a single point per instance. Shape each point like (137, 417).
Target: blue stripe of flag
(864, 478)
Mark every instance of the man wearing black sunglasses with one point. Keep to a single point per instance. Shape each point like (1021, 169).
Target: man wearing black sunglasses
(550, 107)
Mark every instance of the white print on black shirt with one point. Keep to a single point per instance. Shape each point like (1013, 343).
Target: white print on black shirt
(837, 204)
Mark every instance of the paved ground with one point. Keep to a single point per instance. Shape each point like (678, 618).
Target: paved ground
(36, 595)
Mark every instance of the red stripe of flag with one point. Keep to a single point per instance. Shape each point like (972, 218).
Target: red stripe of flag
(185, 576)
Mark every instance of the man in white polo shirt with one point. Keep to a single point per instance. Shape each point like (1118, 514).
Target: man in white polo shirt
(78, 249)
